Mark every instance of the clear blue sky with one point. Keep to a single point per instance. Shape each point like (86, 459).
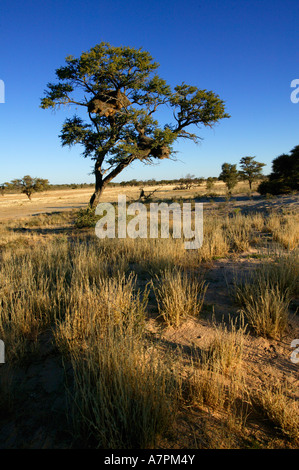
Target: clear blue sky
(246, 51)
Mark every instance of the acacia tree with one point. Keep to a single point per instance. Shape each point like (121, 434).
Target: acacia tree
(251, 170)
(29, 185)
(229, 175)
(121, 93)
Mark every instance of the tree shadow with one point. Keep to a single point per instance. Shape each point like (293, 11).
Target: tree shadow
(41, 231)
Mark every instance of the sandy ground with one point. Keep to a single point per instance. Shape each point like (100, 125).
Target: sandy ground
(18, 205)
(15, 206)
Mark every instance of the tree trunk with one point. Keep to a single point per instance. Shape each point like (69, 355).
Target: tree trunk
(95, 198)
(101, 182)
(250, 188)
(99, 188)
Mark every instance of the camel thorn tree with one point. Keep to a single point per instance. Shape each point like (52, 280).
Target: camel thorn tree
(120, 94)
(251, 170)
(29, 185)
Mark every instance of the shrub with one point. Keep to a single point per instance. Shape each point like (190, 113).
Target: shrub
(86, 218)
(285, 174)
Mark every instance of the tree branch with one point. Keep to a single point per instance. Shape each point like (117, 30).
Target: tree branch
(118, 169)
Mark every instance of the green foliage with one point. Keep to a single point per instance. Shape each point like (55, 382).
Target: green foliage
(29, 185)
(251, 170)
(229, 175)
(86, 218)
(285, 174)
(121, 92)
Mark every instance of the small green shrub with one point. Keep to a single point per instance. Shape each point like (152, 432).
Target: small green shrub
(86, 218)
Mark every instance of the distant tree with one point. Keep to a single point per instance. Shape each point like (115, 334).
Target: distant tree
(251, 170)
(188, 181)
(210, 182)
(3, 187)
(285, 174)
(29, 185)
(151, 182)
(229, 175)
(121, 93)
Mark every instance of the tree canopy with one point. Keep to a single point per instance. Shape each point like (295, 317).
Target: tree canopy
(29, 185)
(284, 177)
(229, 175)
(120, 93)
(251, 170)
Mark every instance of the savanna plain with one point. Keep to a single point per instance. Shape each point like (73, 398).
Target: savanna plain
(140, 343)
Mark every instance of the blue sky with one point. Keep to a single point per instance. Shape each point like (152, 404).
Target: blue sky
(246, 51)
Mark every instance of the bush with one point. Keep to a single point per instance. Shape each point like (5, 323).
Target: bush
(86, 218)
(274, 187)
(285, 175)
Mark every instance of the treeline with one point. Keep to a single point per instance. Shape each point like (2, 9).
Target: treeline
(29, 185)
(283, 179)
(185, 181)
(70, 186)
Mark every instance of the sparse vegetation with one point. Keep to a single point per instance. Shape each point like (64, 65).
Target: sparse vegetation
(149, 348)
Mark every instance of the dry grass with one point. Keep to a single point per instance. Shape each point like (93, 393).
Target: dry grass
(178, 296)
(281, 409)
(39, 285)
(125, 390)
(123, 396)
(225, 352)
(266, 313)
(92, 307)
(214, 380)
(265, 294)
(284, 228)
